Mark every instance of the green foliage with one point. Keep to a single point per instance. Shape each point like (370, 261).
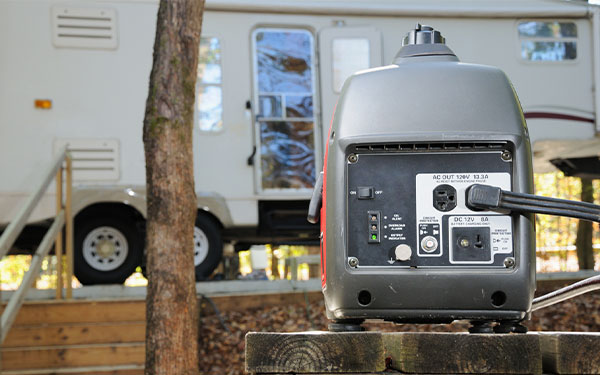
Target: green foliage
(12, 269)
(555, 236)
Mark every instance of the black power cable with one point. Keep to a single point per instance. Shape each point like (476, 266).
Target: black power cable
(485, 197)
(216, 310)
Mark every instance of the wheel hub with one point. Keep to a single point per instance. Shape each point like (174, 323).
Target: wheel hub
(106, 249)
(201, 246)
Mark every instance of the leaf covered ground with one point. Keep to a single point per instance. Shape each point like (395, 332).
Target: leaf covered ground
(222, 352)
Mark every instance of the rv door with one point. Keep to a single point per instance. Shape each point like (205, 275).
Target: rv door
(344, 50)
(285, 113)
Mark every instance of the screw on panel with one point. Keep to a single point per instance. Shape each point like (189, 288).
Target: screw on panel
(352, 158)
(506, 156)
(509, 262)
(352, 262)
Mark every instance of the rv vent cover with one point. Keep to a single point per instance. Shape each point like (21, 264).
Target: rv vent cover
(93, 28)
(93, 159)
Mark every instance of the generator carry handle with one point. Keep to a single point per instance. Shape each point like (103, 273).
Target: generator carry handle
(316, 201)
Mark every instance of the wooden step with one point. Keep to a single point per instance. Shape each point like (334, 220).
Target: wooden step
(95, 370)
(50, 312)
(75, 334)
(53, 357)
(99, 336)
(100, 311)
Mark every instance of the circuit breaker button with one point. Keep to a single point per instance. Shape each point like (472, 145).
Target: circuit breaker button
(429, 244)
(403, 252)
(365, 192)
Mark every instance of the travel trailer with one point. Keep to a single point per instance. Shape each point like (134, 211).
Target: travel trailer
(75, 74)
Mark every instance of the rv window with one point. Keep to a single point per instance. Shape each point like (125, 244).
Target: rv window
(349, 55)
(269, 106)
(208, 113)
(548, 40)
(284, 78)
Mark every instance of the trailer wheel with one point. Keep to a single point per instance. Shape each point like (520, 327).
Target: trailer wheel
(107, 250)
(208, 246)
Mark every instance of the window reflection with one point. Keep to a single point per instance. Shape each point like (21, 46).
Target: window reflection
(208, 111)
(209, 108)
(284, 61)
(284, 74)
(298, 106)
(548, 51)
(547, 29)
(269, 105)
(288, 159)
(548, 40)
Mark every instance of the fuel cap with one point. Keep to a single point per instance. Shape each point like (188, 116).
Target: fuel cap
(423, 34)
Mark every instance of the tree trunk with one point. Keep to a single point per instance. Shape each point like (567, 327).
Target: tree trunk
(585, 251)
(172, 311)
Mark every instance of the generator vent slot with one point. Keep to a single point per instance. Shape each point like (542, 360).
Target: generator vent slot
(88, 28)
(422, 147)
(93, 159)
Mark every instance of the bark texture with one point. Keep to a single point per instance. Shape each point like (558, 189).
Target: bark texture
(585, 251)
(171, 313)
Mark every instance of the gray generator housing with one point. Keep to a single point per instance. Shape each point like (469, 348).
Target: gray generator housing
(395, 130)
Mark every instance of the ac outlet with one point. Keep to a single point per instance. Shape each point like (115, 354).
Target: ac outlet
(444, 198)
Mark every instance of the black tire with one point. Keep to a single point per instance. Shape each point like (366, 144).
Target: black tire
(206, 263)
(123, 239)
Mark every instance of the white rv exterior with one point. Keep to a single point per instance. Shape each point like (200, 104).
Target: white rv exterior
(269, 79)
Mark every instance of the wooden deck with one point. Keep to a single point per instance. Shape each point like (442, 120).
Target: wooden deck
(101, 331)
(80, 337)
(101, 336)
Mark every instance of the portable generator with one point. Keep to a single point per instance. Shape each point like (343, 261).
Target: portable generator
(425, 197)
(398, 240)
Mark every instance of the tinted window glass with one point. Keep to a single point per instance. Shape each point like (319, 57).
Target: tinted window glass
(548, 51)
(548, 29)
(284, 74)
(284, 61)
(208, 112)
(298, 106)
(288, 158)
(209, 108)
(548, 40)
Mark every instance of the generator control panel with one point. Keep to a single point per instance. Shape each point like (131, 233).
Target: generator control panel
(406, 206)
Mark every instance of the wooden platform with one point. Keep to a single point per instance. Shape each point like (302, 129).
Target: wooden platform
(98, 334)
(208, 288)
(422, 353)
(98, 337)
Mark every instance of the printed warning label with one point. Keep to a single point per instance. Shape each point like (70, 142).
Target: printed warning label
(443, 194)
(478, 238)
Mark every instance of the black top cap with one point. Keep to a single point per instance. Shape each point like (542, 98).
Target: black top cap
(423, 34)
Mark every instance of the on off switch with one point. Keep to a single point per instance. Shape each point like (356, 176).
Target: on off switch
(365, 192)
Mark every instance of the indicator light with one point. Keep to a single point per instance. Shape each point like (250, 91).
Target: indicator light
(374, 237)
(43, 103)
